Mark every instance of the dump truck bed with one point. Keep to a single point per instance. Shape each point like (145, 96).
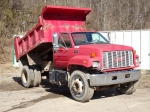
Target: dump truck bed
(52, 19)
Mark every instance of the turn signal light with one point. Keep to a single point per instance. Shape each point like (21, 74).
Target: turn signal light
(134, 51)
(93, 55)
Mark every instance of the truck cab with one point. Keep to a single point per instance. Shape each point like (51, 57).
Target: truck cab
(95, 47)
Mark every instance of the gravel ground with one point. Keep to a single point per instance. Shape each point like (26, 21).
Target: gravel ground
(14, 97)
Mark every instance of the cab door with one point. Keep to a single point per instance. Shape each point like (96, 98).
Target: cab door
(64, 52)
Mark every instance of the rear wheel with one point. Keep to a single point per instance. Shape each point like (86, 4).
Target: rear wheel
(37, 76)
(128, 88)
(79, 86)
(27, 76)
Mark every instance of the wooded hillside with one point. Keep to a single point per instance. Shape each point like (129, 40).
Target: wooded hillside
(17, 16)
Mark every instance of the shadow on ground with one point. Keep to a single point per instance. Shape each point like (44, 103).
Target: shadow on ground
(17, 80)
(64, 91)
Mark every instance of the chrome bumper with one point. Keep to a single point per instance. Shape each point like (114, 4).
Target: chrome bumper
(114, 78)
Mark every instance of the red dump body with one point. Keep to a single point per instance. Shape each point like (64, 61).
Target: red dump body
(52, 19)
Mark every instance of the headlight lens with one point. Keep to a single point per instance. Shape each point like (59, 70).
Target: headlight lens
(137, 61)
(96, 64)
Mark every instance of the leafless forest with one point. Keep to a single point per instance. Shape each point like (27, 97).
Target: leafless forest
(17, 16)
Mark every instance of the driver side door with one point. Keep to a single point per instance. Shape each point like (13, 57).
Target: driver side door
(65, 51)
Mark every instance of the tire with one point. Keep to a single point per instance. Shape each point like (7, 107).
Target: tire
(91, 90)
(79, 86)
(128, 88)
(37, 76)
(27, 76)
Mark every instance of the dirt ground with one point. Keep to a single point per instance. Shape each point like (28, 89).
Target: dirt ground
(14, 97)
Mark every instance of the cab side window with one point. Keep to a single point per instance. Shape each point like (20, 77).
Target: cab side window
(65, 39)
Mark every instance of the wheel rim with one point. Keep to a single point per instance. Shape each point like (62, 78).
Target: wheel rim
(24, 77)
(78, 86)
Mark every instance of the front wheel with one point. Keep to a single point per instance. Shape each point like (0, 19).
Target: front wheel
(79, 86)
(128, 88)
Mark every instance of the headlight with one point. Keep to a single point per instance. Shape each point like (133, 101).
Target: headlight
(137, 61)
(96, 64)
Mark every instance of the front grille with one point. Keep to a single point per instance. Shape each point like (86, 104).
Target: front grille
(117, 59)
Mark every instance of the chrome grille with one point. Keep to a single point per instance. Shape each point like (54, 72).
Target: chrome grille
(117, 59)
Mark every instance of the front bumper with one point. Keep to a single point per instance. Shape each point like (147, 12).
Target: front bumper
(114, 78)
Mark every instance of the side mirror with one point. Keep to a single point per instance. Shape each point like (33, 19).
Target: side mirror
(55, 41)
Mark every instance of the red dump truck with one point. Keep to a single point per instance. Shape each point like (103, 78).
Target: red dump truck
(61, 48)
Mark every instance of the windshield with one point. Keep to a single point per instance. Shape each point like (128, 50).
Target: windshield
(81, 38)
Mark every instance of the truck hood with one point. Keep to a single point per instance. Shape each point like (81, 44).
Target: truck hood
(105, 47)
